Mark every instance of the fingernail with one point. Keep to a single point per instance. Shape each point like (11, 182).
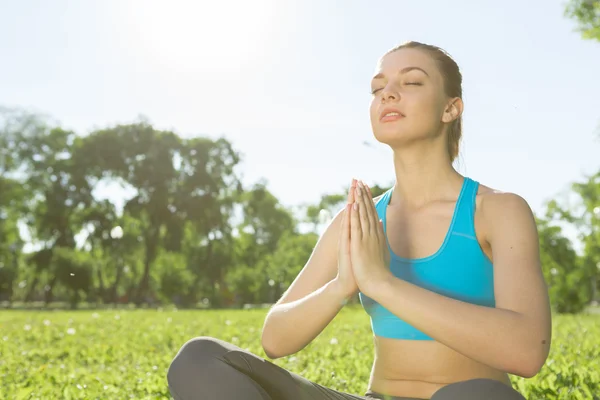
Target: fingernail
(355, 206)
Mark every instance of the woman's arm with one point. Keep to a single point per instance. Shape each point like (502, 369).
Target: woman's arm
(316, 295)
(289, 327)
(513, 337)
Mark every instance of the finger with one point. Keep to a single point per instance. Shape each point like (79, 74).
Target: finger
(369, 191)
(362, 209)
(355, 229)
(370, 210)
(351, 192)
(380, 230)
(372, 203)
(350, 200)
(345, 231)
(383, 240)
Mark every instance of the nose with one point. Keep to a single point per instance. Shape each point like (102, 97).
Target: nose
(389, 94)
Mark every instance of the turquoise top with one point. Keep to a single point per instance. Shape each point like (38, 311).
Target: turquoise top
(459, 269)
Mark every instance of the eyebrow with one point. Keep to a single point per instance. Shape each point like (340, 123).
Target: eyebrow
(402, 71)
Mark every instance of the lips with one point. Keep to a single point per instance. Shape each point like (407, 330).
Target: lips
(390, 114)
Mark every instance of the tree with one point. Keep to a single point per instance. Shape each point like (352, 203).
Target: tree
(265, 222)
(587, 15)
(11, 244)
(177, 182)
(584, 214)
(207, 193)
(39, 157)
(73, 269)
(568, 286)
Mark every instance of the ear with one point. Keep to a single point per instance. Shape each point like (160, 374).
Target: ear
(453, 110)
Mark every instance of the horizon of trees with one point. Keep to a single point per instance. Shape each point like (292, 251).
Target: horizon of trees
(192, 234)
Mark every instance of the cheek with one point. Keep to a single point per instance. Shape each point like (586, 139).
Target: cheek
(425, 107)
(422, 100)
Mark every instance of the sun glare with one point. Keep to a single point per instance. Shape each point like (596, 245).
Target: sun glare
(200, 34)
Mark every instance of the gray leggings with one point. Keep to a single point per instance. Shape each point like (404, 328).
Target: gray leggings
(207, 368)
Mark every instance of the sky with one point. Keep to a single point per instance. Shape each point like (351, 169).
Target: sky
(287, 82)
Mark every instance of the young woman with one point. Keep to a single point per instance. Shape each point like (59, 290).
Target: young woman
(448, 269)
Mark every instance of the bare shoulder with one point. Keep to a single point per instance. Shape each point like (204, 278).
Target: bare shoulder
(494, 202)
(503, 211)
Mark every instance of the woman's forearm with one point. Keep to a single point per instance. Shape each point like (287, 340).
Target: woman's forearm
(500, 338)
(289, 327)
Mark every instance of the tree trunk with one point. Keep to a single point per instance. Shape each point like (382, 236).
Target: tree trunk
(151, 250)
(199, 271)
(101, 289)
(49, 294)
(31, 291)
(115, 287)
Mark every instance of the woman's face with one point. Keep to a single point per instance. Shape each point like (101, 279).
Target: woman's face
(408, 82)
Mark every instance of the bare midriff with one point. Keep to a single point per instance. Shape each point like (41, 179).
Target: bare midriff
(419, 368)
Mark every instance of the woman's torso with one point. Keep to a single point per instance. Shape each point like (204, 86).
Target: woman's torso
(418, 368)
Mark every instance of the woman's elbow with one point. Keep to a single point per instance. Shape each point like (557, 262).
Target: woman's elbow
(269, 350)
(530, 364)
(268, 343)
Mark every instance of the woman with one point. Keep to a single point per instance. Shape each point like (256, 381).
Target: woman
(447, 323)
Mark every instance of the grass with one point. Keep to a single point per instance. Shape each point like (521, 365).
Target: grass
(120, 354)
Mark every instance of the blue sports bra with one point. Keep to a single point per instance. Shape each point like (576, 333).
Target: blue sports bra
(459, 269)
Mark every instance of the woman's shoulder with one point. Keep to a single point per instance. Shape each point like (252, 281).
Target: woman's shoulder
(496, 204)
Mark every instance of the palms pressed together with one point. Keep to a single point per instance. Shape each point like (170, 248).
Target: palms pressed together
(364, 254)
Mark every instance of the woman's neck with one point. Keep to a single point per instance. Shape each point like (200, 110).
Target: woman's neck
(422, 177)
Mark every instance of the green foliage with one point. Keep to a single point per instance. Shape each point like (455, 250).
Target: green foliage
(248, 284)
(8, 271)
(568, 284)
(264, 217)
(10, 241)
(116, 354)
(274, 272)
(583, 213)
(175, 278)
(190, 232)
(285, 263)
(73, 269)
(587, 15)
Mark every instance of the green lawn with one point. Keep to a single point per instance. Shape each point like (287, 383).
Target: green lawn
(121, 354)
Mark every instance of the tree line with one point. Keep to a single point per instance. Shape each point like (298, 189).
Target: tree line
(191, 234)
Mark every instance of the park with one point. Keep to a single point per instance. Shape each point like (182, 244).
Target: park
(122, 238)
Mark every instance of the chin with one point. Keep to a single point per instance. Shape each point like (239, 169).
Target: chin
(391, 137)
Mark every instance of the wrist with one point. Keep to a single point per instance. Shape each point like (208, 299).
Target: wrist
(377, 285)
(341, 294)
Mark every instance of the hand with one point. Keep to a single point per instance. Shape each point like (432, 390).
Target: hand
(370, 256)
(345, 277)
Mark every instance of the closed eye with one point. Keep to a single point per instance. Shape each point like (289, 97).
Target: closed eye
(407, 83)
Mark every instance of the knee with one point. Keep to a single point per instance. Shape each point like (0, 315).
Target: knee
(193, 355)
(202, 347)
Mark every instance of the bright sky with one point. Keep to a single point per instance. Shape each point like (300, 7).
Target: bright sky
(288, 82)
